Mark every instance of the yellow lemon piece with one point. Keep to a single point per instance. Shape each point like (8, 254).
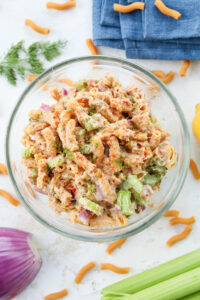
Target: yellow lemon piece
(196, 123)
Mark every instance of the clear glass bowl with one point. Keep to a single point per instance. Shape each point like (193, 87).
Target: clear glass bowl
(164, 107)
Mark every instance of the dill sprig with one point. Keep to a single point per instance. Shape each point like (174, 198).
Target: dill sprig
(19, 60)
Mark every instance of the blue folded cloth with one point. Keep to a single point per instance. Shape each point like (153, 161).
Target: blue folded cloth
(149, 34)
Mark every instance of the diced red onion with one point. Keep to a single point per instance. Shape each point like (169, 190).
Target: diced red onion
(65, 92)
(117, 208)
(39, 190)
(140, 207)
(100, 90)
(83, 217)
(19, 262)
(99, 195)
(45, 107)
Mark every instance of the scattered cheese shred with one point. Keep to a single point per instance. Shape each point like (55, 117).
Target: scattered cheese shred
(115, 245)
(185, 221)
(128, 8)
(36, 28)
(171, 213)
(61, 6)
(180, 236)
(93, 49)
(83, 271)
(184, 67)
(9, 197)
(194, 169)
(57, 295)
(114, 268)
(3, 169)
(31, 191)
(168, 77)
(31, 77)
(166, 10)
(158, 73)
(67, 81)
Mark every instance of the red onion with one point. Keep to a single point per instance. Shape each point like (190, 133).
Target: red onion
(117, 208)
(40, 190)
(83, 217)
(65, 92)
(19, 262)
(99, 195)
(45, 107)
(140, 207)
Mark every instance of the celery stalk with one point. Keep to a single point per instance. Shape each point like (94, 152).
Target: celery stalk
(124, 202)
(156, 275)
(171, 289)
(91, 206)
(195, 296)
(132, 182)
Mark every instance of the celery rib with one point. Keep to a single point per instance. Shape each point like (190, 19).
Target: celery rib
(171, 289)
(156, 275)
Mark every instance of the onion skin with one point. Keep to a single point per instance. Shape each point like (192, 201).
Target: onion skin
(19, 262)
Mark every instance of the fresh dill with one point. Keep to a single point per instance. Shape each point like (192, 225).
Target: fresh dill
(20, 60)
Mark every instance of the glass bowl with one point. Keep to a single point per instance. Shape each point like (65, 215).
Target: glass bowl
(164, 107)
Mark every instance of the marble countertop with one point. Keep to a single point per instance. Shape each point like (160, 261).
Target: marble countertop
(63, 257)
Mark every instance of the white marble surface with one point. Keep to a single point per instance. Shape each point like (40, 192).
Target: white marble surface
(63, 257)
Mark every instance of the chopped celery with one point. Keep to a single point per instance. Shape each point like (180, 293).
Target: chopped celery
(91, 188)
(88, 125)
(92, 111)
(157, 167)
(33, 172)
(86, 148)
(56, 161)
(26, 153)
(152, 180)
(124, 202)
(155, 275)
(68, 153)
(81, 85)
(91, 206)
(132, 182)
(171, 289)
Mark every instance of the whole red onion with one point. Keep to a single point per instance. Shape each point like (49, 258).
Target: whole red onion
(19, 262)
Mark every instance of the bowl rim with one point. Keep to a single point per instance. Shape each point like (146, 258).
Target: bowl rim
(182, 176)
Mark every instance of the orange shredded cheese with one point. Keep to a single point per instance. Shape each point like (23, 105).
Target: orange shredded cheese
(3, 169)
(158, 73)
(59, 6)
(9, 197)
(128, 8)
(83, 271)
(185, 221)
(54, 93)
(36, 28)
(180, 236)
(171, 213)
(67, 81)
(57, 295)
(115, 245)
(166, 10)
(139, 79)
(194, 169)
(184, 67)
(114, 268)
(168, 77)
(31, 77)
(93, 49)
(31, 191)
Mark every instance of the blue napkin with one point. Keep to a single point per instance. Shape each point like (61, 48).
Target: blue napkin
(105, 35)
(160, 27)
(149, 34)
